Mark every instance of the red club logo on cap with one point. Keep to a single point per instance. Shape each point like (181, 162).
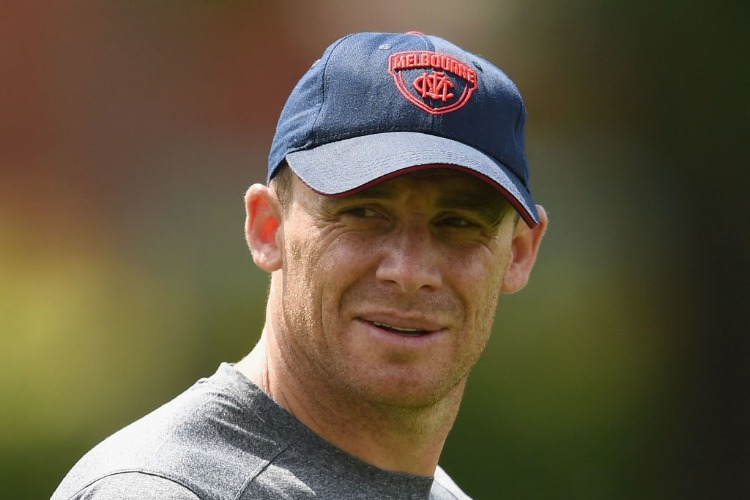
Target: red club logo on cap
(435, 82)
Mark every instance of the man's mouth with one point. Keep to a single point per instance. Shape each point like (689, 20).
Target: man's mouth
(409, 332)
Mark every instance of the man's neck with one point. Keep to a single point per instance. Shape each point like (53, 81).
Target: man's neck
(405, 440)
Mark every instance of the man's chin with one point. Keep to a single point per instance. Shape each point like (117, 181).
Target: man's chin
(409, 392)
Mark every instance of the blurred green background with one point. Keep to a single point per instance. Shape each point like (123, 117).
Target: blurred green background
(129, 131)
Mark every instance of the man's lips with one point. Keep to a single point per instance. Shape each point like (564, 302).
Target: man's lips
(411, 332)
(410, 327)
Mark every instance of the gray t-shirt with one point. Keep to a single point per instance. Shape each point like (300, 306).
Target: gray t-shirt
(224, 438)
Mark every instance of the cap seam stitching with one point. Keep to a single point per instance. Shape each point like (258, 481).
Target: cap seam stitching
(313, 127)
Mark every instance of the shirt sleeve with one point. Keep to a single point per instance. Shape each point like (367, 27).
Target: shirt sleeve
(135, 486)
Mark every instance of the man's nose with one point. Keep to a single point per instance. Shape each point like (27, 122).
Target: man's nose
(410, 259)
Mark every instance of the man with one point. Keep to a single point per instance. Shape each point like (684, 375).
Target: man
(397, 212)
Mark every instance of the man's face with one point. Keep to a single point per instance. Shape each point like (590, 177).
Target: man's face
(389, 295)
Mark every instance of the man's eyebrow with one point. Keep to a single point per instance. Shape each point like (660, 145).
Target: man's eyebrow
(379, 191)
(491, 209)
(488, 207)
(372, 193)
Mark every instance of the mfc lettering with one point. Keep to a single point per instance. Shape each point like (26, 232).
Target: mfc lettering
(434, 85)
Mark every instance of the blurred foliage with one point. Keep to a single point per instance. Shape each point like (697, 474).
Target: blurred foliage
(131, 129)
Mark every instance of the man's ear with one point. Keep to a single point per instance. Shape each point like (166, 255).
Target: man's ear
(524, 248)
(262, 226)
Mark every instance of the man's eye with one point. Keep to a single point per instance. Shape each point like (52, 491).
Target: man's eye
(456, 222)
(361, 212)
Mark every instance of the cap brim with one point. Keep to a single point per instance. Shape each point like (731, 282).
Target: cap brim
(371, 159)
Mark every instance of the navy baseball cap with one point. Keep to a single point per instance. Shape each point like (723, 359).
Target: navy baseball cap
(379, 105)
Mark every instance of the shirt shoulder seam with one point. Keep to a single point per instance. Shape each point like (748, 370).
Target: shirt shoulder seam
(145, 472)
(253, 475)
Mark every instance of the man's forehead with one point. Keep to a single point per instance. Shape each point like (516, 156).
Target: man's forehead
(446, 187)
